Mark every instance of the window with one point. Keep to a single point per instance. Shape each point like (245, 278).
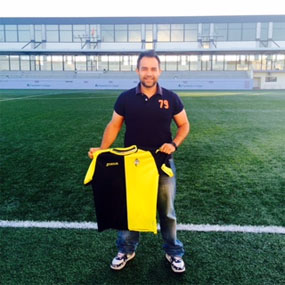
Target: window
(278, 31)
(163, 33)
(11, 33)
(171, 62)
(134, 33)
(69, 62)
(148, 33)
(24, 33)
(177, 33)
(205, 31)
(230, 62)
(220, 32)
(183, 63)
(107, 33)
(248, 31)
(38, 33)
(2, 33)
(234, 31)
(264, 32)
(65, 33)
(190, 32)
(79, 33)
(25, 62)
(218, 62)
(52, 33)
(270, 79)
(57, 62)
(121, 33)
(14, 62)
(4, 62)
(114, 62)
(80, 62)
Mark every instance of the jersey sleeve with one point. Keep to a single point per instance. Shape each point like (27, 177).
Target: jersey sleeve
(178, 105)
(120, 106)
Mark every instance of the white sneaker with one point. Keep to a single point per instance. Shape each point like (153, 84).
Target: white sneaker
(121, 260)
(177, 263)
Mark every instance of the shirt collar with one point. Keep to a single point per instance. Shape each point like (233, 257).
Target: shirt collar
(158, 91)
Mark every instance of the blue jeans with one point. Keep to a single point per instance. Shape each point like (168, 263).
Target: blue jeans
(128, 241)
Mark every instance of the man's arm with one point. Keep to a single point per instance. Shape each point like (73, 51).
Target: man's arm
(110, 134)
(183, 130)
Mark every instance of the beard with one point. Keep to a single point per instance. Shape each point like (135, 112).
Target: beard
(147, 84)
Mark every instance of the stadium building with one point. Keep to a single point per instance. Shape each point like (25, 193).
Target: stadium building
(213, 52)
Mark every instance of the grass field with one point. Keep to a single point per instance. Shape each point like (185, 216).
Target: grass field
(230, 170)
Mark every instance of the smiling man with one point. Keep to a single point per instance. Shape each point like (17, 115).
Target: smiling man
(147, 111)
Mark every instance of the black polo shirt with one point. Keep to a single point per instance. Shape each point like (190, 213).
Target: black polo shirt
(148, 120)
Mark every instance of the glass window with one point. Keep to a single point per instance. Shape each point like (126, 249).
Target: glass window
(107, 33)
(25, 62)
(52, 33)
(234, 31)
(69, 63)
(65, 33)
(134, 33)
(190, 32)
(242, 62)
(177, 32)
(92, 62)
(4, 62)
(93, 32)
(24, 33)
(79, 33)
(57, 62)
(230, 62)
(278, 31)
(249, 31)
(103, 62)
(14, 62)
(121, 33)
(279, 62)
(163, 33)
(2, 38)
(183, 63)
(195, 63)
(171, 62)
(45, 62)
(80, 62)
(264, 32)
(38, 33)
(220, 32)
(125, 63)
(148, 33)
(114, 63)
(205, 31)
(218, 62)
(11, 33)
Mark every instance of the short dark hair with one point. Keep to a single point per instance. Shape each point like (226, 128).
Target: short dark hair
(148, 53)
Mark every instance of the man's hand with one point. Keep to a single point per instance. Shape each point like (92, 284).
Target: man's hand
(92, 150)
(167, 148)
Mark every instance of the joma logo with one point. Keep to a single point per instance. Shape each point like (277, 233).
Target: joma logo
(112, 164)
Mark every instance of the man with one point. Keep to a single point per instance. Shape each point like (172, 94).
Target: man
(147, 111)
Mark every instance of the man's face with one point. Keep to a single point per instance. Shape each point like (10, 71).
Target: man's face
(148, 71)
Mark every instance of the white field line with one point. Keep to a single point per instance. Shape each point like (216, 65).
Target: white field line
(35, 96)
(180, 227)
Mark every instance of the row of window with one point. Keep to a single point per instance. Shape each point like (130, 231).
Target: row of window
(148, 32)
(128, 62)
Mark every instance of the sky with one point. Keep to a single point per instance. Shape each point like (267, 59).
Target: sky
(141, 8)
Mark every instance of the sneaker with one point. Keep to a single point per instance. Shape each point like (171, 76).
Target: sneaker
(121, 260)
(177, 263)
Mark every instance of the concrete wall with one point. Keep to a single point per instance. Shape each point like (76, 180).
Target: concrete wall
(261, 80)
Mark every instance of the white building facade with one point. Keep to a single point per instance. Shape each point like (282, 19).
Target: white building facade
(215, 52)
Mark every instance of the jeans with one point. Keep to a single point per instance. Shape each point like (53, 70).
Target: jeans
(128, 241)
